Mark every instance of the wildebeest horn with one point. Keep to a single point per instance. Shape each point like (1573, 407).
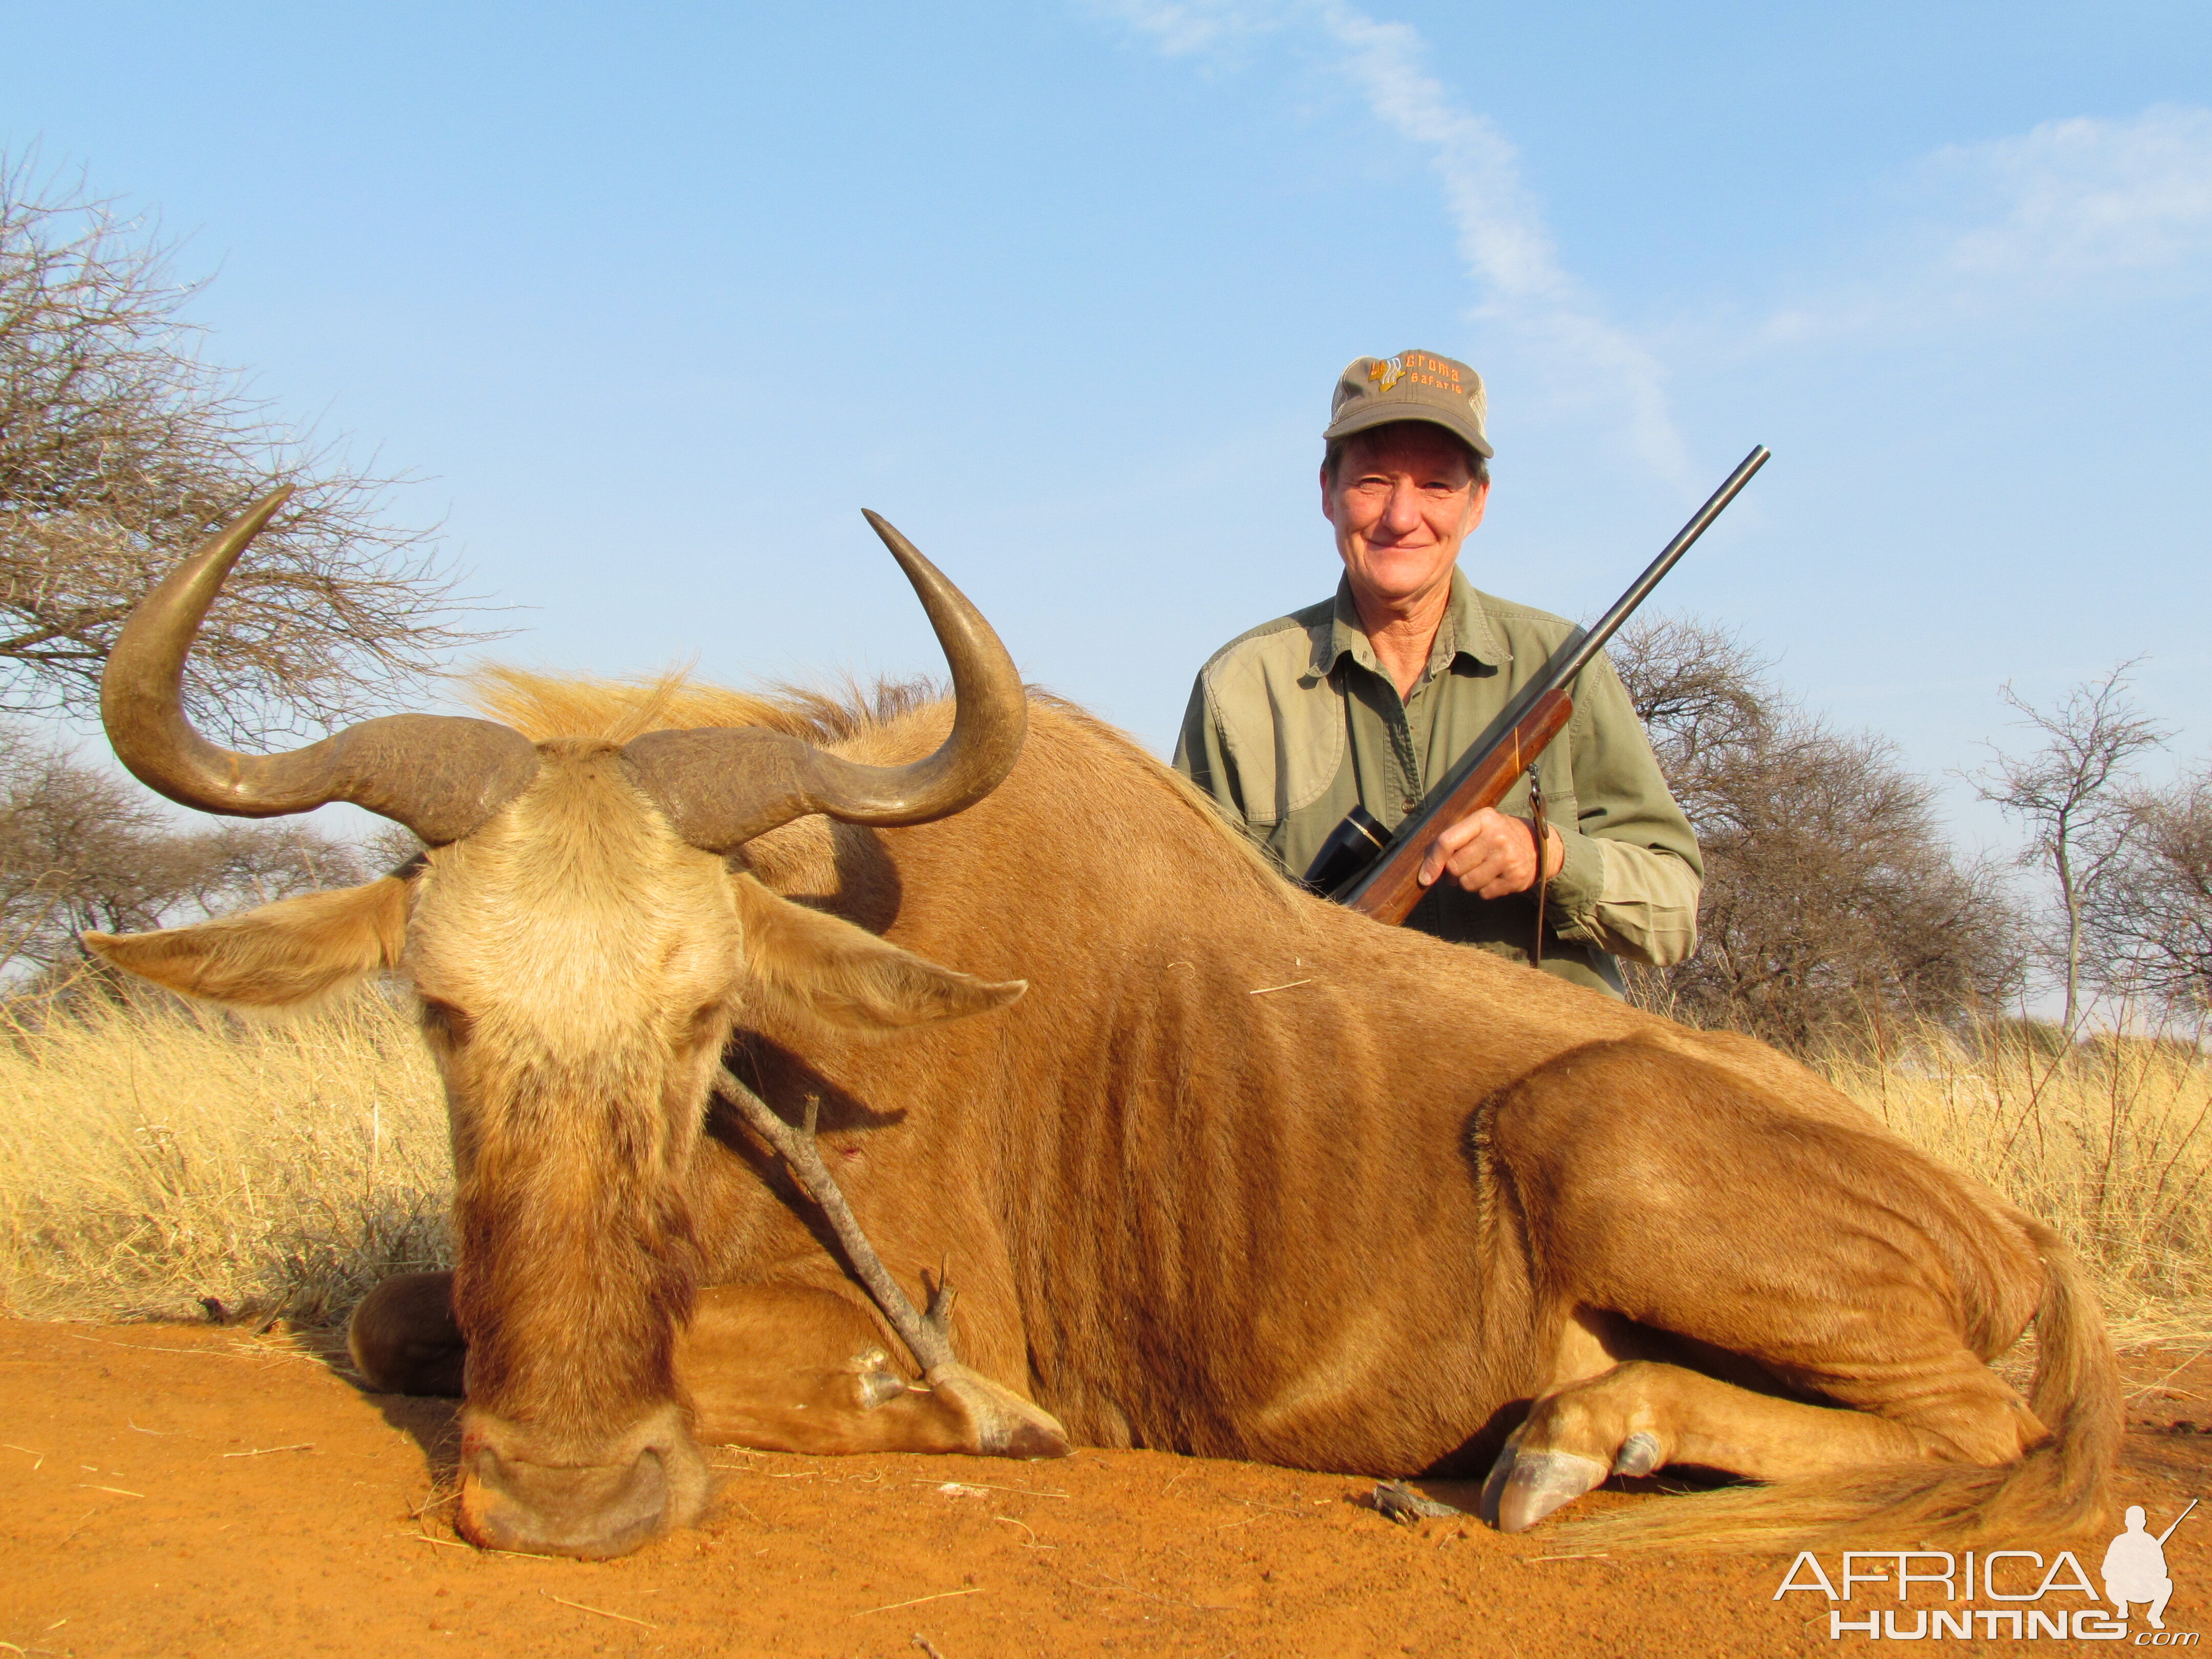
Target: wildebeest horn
(721, 786)
(440, 776)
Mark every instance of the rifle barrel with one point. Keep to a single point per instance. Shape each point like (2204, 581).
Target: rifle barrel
(1605, 626)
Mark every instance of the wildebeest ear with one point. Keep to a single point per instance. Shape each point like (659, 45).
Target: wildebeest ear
(823, 965)
(281, 954)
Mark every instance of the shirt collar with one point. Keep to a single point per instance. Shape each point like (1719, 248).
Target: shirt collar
(1466, 632)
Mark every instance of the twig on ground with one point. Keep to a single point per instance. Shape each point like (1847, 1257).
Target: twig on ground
(454, 1544)
(153, 1347)
(978, 1485)
(602, 1612)
(2158, 1387)
(1164, 1601)
(893, 1606)
(1394, 1500)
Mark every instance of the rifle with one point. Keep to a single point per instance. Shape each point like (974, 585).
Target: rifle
(1377, 871)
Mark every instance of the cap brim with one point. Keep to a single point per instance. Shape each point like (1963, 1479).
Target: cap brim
(1376, 411)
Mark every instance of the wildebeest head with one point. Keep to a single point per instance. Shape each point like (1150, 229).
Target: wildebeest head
(581, 944)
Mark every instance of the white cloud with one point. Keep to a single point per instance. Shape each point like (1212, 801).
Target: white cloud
(2081, 200)
(1502, 237)
(2089, 211)
(1184, 28)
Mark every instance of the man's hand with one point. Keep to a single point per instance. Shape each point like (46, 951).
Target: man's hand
(1491, 855)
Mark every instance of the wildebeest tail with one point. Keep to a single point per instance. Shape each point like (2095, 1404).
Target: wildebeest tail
(2059, 1488)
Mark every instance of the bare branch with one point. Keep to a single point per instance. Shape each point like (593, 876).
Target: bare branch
(2070, 791)
(120, 448)
(2147, 925)
(1832, 895)
(84, 848)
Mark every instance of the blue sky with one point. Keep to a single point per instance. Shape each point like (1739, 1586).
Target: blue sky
(652, 301)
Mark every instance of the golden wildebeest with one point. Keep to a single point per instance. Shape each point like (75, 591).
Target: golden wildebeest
(1219, 1167)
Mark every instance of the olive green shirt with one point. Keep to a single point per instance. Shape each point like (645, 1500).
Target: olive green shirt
(1292, 724)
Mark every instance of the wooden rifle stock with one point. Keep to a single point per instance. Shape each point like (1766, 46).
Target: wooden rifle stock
(1394, 887)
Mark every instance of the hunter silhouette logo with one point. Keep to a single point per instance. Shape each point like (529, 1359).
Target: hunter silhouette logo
(2135, 1566)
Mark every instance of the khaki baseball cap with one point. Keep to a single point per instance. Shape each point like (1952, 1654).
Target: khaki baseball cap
(1413, 385)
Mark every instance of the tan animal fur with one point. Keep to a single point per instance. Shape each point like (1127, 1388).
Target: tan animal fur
(1239, 1174)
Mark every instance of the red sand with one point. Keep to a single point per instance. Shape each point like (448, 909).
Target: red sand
(195, 1491)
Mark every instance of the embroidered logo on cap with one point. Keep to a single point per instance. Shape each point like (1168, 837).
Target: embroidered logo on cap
(1417, 368)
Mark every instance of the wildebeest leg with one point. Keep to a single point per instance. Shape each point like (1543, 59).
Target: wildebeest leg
(1818, 1256)
(1643, 1415)
(791, 1368)
(783, 1368)
(404, 1339)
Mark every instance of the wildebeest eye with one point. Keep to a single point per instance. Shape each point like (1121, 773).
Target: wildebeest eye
(443, 1019)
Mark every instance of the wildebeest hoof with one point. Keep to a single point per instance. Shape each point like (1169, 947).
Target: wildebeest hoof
(1493, 1484)
(1542, 1481)
(1003, 1423)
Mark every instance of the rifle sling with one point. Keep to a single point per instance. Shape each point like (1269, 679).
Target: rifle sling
(1539, 826)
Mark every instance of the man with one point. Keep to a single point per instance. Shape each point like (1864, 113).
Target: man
(1370, 697)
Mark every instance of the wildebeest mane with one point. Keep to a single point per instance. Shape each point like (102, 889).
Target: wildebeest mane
(553, 705)
(544, 705)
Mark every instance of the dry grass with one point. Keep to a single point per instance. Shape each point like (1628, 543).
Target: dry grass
(2110, 1142)
(150, 1159)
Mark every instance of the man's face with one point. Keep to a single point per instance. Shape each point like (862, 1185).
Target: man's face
(1402, 502)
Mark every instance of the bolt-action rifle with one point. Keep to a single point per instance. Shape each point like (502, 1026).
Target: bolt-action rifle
(1377, 871)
